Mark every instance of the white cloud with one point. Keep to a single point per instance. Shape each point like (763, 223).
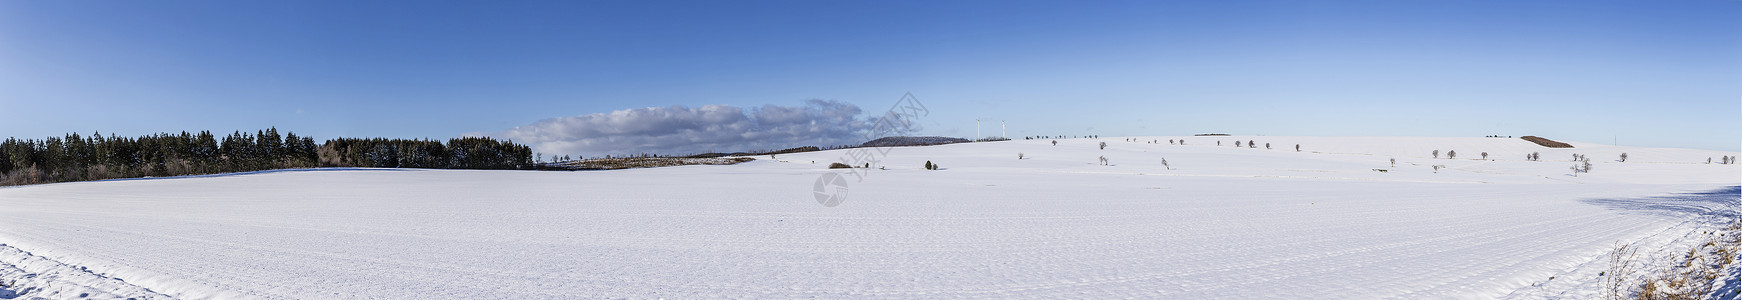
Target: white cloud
(686, 130)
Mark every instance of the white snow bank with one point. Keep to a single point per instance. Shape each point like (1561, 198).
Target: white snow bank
(27, 276)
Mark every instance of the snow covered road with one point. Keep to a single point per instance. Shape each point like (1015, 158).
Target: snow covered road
(1228, 223)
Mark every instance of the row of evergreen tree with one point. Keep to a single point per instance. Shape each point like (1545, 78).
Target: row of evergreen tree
(458, 153)
(96, 157)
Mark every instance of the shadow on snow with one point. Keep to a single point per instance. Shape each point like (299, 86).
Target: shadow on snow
(221, 175)
(1718, 203)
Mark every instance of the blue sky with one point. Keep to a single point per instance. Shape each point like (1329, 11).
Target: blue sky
(1643, 73)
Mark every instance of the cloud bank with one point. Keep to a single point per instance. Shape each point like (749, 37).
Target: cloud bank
(685, 130)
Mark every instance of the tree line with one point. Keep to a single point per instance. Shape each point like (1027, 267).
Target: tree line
(97, 157)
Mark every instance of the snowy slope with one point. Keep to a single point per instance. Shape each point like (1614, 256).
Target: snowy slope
(1224, 223)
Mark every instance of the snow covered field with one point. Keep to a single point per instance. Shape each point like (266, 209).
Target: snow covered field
(1226, 222)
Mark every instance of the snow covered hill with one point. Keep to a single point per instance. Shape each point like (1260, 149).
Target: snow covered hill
(1223, 222)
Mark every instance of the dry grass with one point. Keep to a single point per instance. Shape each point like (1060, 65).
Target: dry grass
(1615, 280)
(1694, 274)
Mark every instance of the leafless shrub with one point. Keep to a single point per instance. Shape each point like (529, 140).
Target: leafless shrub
(1615, 280)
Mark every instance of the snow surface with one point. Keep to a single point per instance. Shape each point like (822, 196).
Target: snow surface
(1223, 223)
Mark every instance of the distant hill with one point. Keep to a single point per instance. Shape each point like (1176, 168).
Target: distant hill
(896, 141)
(1545, 142)
(782, 151)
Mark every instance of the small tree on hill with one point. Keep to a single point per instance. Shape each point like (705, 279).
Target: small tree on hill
(1484, 155)
(1250, 144)
(1623, 156)
(1266, 146)
(1436, 153)
(1164, 164)
(929, 166)
(1581, 167)
(1394, 163)
(1452, 154)
(1236, 143)
(1103, 145)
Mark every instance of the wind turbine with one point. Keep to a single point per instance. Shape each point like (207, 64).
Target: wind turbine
(976, 129)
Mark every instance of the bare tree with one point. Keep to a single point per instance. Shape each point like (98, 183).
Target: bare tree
(1436, 153)
(1452, 154)
(1236, 143)
(1394, 163)
(1103, 160)
(1484, 155)
(1582, 166)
